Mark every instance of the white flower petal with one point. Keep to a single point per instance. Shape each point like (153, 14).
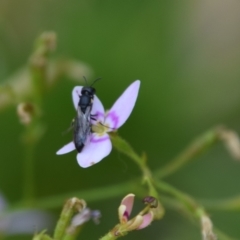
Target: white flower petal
(98, 148)
(75, 95)
(123, 107)
(66, 148)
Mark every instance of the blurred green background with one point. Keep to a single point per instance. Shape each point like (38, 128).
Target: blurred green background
(187, 56)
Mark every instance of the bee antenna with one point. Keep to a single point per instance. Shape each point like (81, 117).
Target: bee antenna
(96, 80)
(85, 80)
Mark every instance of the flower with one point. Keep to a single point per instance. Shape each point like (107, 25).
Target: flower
(82, 217)
(140, 221)
(99, 145)
(25, 221)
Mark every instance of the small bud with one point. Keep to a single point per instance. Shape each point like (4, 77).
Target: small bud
(49, 40)
(152, 201)
(25, 112)
(207, 229)
(232, 142)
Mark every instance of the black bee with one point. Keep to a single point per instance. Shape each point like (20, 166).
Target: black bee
(82, 123)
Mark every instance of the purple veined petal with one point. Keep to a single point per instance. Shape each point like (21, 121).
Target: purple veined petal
(147, 219)
(128, 203)
(75, 95)
(123, 107)
(98, 110)
(66, 149)
(25, 222)
(98, 148)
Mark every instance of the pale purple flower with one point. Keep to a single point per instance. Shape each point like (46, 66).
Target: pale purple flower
(99, 144)
(25, 221)
(84, 216)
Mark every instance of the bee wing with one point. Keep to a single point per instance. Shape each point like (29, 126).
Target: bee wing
(75, 95)
(82, 128)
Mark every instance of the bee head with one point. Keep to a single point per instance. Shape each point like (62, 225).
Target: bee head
(90, 91)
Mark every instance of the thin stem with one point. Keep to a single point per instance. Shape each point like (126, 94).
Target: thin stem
(72, 235)
(108, 236)
(230, 204)
(190, 204)
(70, 207)
(29, 181)
(196, 148)
(123, 146)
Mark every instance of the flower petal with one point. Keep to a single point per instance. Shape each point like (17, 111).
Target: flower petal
(98, 110)
(25, 221)
(75, 95)
(147, 219)
(125, 208)
(3, 202)
(98, 148)
(81, 217)
(134, 223)
(66, 148)
(123, 107)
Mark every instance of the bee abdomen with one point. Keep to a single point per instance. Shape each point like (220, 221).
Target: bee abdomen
(79, 146)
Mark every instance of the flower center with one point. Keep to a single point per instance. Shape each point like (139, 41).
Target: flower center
(99, 128)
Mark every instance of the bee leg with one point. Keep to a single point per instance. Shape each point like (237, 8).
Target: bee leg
(92, 116)
(70, 128)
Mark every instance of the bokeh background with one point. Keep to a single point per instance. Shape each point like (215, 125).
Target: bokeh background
(187, 56)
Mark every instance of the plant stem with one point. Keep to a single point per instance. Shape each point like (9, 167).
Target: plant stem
(108, 236)
(70, 207)
(230, 204)
(123, 146)
(196, 148)
(28, 185)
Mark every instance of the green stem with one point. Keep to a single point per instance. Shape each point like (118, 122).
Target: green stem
(29, 181)
(73, 235)
(123, 146)
(71, 206)
(230, 204)
(196, 148)
(185, 199)
(108, 236)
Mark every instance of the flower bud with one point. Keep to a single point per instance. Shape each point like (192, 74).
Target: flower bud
(25, 112)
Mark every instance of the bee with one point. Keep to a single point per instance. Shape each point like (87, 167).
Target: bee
(82, 123)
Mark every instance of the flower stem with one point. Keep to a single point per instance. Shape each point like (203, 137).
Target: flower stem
(28, 185)
(109, 236)
(71, 206)
(73, 235)
(196, 148)
(123, 146)
(230, 204)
